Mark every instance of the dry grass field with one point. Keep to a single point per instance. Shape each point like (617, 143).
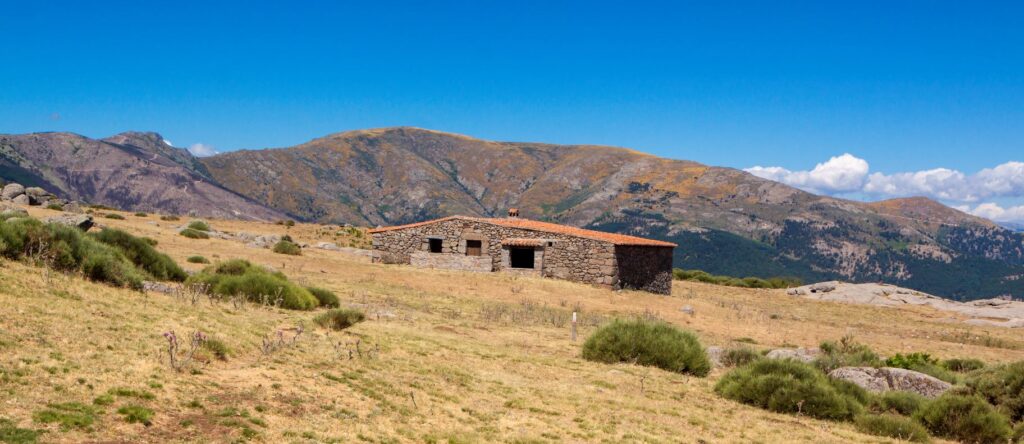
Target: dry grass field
(443, 356)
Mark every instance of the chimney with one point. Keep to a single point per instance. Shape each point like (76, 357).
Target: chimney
(513, 213)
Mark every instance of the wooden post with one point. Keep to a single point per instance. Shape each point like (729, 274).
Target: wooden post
(574, 326)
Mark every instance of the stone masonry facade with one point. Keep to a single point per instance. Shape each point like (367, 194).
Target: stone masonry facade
(554, 254)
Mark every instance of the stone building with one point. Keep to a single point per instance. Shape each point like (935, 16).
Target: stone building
(529, 247)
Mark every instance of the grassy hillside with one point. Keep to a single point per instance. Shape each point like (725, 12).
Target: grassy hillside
(443, 356)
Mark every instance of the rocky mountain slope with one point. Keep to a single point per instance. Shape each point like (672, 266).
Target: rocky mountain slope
(135, 171)
(726, 221)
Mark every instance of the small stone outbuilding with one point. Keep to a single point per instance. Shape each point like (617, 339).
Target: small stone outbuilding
(529, 247)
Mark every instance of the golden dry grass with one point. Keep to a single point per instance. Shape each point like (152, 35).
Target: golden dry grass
(444, 356)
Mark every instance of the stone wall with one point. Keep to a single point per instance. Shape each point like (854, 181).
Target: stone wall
(424, 259)
(645, 268)
(561, 256)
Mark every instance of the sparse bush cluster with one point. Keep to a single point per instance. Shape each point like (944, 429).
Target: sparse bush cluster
(846, 353)
(788, 386)
(197, 260)
(921, 362)
(747, 282)
(983, 410)
(339, 318)
(649, 343)
(194, 234)
(110, 256)
(326, 297)
(286, 246)
(239, 277)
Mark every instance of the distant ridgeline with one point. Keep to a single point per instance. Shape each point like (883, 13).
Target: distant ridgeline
(726, 221)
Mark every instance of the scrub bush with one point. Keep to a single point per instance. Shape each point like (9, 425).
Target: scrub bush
(240, 278)
(967, 419)
(788, 386)
(648, 343)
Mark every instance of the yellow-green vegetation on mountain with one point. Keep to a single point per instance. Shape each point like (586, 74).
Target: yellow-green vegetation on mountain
(441, 356)
(727, 222)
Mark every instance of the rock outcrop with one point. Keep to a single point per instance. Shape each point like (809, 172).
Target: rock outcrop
(995, 312)
(81, 221)
(879, 380)
(799, 354)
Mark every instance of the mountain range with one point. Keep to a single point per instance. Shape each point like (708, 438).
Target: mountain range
(725, 221)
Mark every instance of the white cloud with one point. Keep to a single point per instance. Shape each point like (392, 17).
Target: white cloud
(941, 183)
(201, 150)
(840, 174)
(995, 212)
(849, 174)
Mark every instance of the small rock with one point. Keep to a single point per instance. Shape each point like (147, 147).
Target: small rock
(800, 354)
(715, 353)
(328, 246)
(823, 287)
(687, 309)
(36, 192)
(82, 221)
(11, 191)
(889, 378)
(73, 207)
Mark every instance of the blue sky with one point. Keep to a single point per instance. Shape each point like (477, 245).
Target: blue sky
(905, 87)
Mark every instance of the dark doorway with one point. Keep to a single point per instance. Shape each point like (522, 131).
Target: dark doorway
(435, 245)
(473, 247)
(520, 257)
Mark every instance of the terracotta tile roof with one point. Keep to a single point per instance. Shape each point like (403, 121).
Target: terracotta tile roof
(547, 227)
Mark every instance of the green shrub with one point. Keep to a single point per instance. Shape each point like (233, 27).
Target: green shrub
(141, 253)
(788, 386)
(1018, 434)
(963, 365)
(1003, 387)
(126, 392)
(136, 414)
(287, 247)
(141, 214)
(10, 433)
(67, 249)
(900, 402)
(326, 297)
(194, 234)
(104, 399)
(892, 426)
(846, 353)
(339, 318)
(747, 282)
(240, 278)
(169, 218)
(964, 418)
(55, 206)
(648, 343)
(69, 415)
(199, 225)
(218, 348)
(114, 216)
(739, 356)
(197, 260)
(921, 362)
(111, 267)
